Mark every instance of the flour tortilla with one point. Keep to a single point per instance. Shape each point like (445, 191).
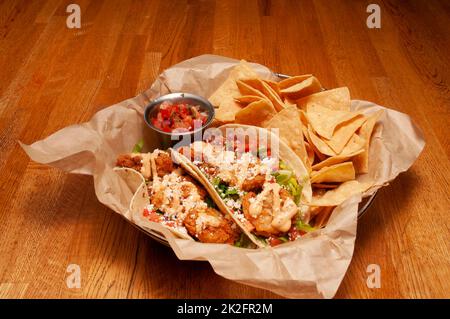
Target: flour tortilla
(138, 186)
(286, 154)
(138, 203)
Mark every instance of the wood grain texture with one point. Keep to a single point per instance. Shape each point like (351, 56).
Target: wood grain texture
(52, 76)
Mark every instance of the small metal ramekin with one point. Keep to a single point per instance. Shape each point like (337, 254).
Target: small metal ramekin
(168, 139)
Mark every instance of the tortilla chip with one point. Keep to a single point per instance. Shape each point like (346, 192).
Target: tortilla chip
(315, 210)
(344, 132)
(274, 86)
(247, 89)
(288, 102)
(337, 173)
(256, 113)
(361, 161)
(260, 87)
(273, 97)
(319, 144)
(324, 120)
(223, 97)
(247, 99)
(307, 87)
(335, 99)
(338, 195)
(334, 160)
(255, 83)
(293, 80)
(319, 155)
(310, 153)
(323, 216)
(354, 146)
(290, 130)
(303, 117)
(325, 186)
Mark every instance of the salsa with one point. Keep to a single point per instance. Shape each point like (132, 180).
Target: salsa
(180, 117)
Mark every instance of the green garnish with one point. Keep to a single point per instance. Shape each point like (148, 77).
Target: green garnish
(286, 178)
(209, 202)
(243, 241)
(282, 176)
(138, 146)
(160, 212)
(284, 239)
(304, 226)
(240, 241)
(231, 191)
(283, 165)
(223, 189)
(216, 181)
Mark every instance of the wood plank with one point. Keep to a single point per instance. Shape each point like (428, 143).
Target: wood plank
(52, 77)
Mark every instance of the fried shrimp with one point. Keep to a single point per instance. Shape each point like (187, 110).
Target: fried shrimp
(164, 164)
(129, 161)
(210, 226)
(254, 184)
(263, 220)
(189, 185)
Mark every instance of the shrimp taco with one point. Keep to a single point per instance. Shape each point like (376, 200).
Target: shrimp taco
(171, 195)
(261, 189)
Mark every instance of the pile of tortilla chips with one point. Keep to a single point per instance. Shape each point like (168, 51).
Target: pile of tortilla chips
(319, 125)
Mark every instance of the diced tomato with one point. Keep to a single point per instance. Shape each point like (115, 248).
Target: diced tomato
(176, 116)
(152, 216)
(273, 241)
(165, 113)
(294, 233)
(170, 224)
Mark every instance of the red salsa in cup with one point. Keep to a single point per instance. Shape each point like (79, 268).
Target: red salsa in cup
(179, 117)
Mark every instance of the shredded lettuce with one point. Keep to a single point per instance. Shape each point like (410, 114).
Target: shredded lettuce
(282, 176)
(283, 165)
(240, 241)
(216, 181)
(231, 191)
(243, 241)
(304, 226)
(224, 190)
(138, 146)
(286, 178)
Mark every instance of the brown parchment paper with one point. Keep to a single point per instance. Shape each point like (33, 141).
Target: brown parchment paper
(312, 267)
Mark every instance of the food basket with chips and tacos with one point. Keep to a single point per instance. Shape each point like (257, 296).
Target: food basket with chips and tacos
(280, 218)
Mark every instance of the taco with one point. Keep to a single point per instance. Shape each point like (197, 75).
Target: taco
(262, 191)
(172, 196)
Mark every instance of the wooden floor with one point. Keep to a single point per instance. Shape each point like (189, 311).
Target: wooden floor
(52, 76)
